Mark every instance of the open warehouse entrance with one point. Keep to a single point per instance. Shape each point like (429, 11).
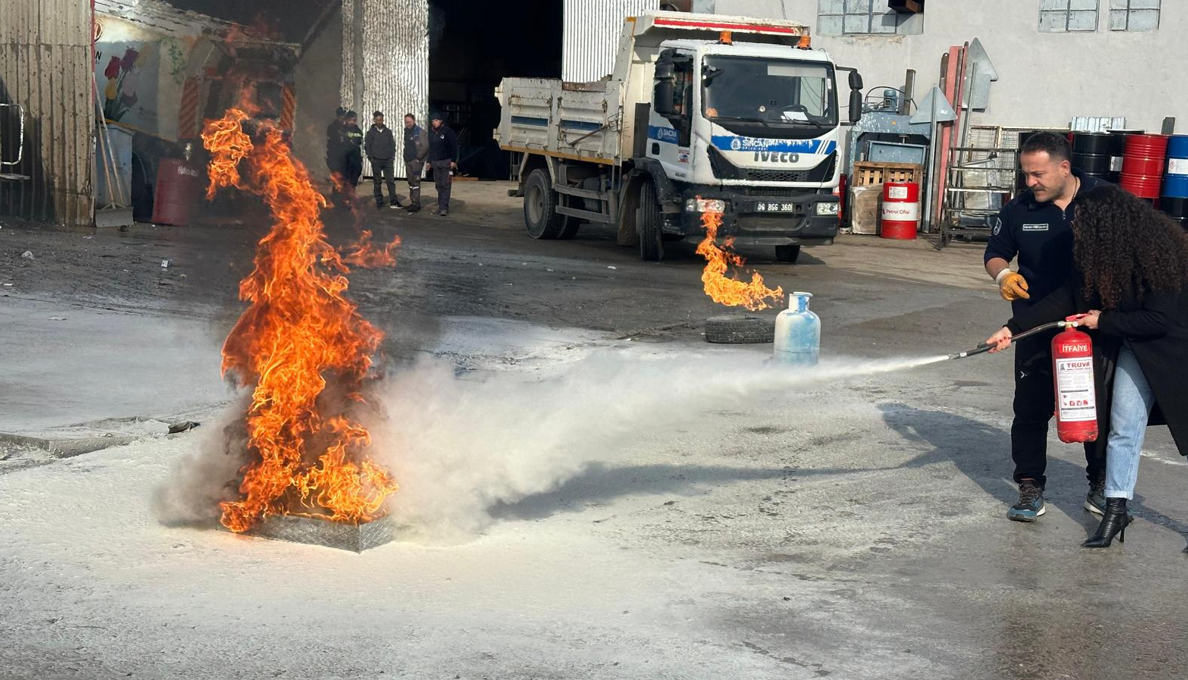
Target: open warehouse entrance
(472, 46)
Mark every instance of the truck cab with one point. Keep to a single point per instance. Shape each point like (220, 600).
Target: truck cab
(752, 131)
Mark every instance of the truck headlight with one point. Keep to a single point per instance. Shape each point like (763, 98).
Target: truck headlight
(702, 205)
(828, 208)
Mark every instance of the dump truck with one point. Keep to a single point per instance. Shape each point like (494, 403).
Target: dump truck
(702, 113)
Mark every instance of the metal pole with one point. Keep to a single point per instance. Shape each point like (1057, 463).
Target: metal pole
(909, 93)
(930, 194)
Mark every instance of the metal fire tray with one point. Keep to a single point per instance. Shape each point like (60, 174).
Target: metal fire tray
(311, 531)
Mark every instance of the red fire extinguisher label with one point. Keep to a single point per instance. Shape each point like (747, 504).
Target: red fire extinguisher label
(1076, 396)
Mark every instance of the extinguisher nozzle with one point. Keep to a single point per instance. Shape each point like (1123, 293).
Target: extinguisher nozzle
(980, 349)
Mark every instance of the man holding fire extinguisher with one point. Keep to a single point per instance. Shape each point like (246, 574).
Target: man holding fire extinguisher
(1036, 228)
(1130, 289)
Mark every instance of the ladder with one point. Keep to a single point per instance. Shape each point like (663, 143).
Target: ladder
(981, 179)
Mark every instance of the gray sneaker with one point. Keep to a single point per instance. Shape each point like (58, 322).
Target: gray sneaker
(1095, 502)
(1031, 503)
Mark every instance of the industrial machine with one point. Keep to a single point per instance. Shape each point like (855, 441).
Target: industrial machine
(703, 113)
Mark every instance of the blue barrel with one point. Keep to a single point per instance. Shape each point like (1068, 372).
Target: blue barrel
(1175, 182)
(798, 333)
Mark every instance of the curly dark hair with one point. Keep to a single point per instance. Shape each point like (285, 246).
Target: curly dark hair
(1124, 247)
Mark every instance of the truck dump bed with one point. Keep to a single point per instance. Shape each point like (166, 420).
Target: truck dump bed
(578, 121)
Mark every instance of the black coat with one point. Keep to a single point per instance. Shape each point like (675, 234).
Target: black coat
(443, 144)
(379, 144)
(335, 143)
(1156, 327)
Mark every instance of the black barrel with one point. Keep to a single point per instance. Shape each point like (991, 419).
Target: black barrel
(1092, 143)
(1174, 207)
(1118, 150)
(1092, 164)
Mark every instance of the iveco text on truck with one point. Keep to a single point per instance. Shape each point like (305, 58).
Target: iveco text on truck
(702, 113)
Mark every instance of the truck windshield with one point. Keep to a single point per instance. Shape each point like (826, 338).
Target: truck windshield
(775, 93)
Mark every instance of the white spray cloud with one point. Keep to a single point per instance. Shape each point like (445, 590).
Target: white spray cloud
(459, 445)
(198, 482)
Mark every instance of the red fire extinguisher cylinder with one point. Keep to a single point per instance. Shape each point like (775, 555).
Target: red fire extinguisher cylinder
(1076, 395)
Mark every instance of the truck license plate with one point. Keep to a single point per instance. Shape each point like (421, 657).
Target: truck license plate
(775, 207)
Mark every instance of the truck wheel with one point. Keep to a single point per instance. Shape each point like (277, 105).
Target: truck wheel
(740, 329)
(649, 219)
(540, 207)
(787, 253)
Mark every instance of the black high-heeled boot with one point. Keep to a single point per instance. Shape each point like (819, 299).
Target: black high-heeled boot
(1113, 523)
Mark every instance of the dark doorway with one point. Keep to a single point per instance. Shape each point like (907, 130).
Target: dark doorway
(472, 46)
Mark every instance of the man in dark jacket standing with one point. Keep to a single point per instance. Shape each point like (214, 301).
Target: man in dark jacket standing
(354, 154)
(443, 157)
(335, 149)
(416, 149)
(380, 147)
(1036, 227)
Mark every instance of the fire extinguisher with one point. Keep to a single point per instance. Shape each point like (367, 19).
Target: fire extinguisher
(1076, 396)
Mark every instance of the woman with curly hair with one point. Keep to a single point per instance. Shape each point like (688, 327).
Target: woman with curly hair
(1131, 284)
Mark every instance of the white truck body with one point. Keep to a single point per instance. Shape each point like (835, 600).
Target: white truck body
(749, 120)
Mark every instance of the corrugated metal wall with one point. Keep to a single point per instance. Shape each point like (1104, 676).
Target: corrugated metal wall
(385, 46)
(45, 66)
(592, 29)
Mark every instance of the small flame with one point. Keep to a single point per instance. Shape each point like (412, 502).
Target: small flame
(298, 335)
(366, 254)
(727, 290)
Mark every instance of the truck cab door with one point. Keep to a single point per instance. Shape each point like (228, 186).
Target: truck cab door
(670, 121)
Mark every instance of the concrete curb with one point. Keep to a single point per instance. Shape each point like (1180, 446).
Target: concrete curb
(66, 448)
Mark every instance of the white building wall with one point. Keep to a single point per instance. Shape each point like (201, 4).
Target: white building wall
(1045, 79)
(592, 29)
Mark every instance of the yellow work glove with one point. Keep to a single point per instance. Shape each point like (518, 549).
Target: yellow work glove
(1012, 286)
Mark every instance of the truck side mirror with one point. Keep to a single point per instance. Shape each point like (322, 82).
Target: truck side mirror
(665, 88)
(855, 80)
(855, 104)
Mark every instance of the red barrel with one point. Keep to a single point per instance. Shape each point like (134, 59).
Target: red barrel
(1142, 165)
(179, 185)
(901, 210)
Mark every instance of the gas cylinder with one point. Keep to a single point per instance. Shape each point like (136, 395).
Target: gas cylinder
(798, 333)
(1076, 396)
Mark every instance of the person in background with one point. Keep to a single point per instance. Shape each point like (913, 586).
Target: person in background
(353, 166)
(443, 157)
(416, 150)
(1131, 283)
(335, 148)
(1035, 226)
(380, 146)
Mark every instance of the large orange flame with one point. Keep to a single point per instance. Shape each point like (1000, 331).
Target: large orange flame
(298, 335)
(725, 289)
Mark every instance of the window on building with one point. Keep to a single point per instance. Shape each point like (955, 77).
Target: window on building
(1134, 15)
(870, 17)
(1065, 16)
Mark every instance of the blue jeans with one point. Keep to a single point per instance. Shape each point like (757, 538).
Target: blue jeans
(1129, 412)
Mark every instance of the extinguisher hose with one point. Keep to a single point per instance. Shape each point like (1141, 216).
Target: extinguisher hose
(986, 347)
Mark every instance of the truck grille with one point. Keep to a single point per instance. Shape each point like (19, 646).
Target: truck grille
(724, 169)
(773, 191)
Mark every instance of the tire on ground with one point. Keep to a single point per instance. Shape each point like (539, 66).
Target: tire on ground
(649, 220)
(540, 207)
(740, 329)
(787, 253)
